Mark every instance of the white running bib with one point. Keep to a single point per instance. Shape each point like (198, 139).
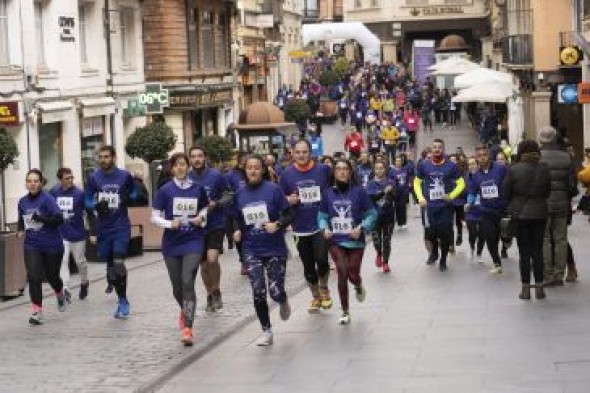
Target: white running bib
(111, 197)
(185, 207)
(256, 215)
(65, 203)
(315, 146)
(342, 225)
(310, 194)
(437, 193)
(489, 192)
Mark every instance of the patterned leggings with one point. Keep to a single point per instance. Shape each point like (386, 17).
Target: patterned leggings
(382, 237)
(348, 266)
(275, 271)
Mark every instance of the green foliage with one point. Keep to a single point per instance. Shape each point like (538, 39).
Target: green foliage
(152, 142)
(340, 67)
(329, 78)
(8, 149)
(218, 148)
(297, 110)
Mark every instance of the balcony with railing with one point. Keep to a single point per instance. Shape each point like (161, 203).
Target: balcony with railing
(311, 15)
(517, 50)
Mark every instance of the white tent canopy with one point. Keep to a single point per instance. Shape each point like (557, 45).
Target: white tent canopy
(480, 76)
(349, 30)
(491, 92)
(454, 66)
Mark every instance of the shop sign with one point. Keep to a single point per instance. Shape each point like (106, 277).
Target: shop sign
(9, 114)
(299, 54)
(155, 99)
(66, 28)
(135, 109)
(567, 94)
(213, 98)
(584, 93)
(433, 10)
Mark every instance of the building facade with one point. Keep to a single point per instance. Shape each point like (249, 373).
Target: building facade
(67, 81)
(318, 11)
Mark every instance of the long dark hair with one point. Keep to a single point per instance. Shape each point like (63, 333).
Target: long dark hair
(265, 174)
(353, 175)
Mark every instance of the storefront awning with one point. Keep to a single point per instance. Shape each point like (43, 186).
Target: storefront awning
(101, 106)
(53, 112)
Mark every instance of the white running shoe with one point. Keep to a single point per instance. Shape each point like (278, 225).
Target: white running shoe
(344, 319)
(480, 259)
(266, 339)
(497, 269)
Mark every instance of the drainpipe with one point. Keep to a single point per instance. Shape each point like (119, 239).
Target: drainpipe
(110, 93)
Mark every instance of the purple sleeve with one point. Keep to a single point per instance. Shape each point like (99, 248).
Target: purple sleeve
(52, 207)
(284, 183)
(203, 200)
(281, 200)
(159, 202)
(324, 203)
(366, 202)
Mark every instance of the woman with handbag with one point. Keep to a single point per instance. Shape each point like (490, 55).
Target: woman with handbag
(526, 188)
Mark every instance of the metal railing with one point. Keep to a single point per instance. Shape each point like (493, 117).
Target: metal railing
(517, 49)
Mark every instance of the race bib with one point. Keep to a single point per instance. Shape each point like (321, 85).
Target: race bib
(315, 146)
(342, 225)
(185, 207)
(437, 193)
(65, 203)
(375, 145)
(343, 105)
(112, 199)
(411, 121)
(489, 192)
(256, 215)
(359, 115)
(31, 225)
(354, 144)
(310, 194)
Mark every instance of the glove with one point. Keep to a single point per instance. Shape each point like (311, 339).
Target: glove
(102, 208)
(37, 217)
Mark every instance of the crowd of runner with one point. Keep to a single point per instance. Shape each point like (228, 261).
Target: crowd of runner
(331, 205)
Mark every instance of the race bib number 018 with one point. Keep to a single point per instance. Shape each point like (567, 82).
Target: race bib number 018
(342, 225)
(65, 203)
(256, 215)
(489, 192)
(112, 199)
(185, 207)
(309, 194)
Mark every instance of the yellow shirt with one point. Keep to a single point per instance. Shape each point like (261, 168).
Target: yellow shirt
(390, 135)
(375, 104)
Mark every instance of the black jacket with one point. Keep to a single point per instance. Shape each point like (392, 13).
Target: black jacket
(560, 164)
(526, 188)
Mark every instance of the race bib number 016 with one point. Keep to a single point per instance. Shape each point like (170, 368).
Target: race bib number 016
(310, 194)
(185, 207)
(65, 203)
(489, 192)
(112, 199)
(342, 225)
(256, 215)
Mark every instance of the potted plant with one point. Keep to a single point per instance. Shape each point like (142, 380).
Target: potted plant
(219, 149)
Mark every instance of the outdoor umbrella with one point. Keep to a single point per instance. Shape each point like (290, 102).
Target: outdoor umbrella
(480, 76)
(455, 66)
(497, 93)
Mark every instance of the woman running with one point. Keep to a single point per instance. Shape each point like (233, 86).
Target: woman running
(180, 207)
(473, 216)
(382, 190)
(262, 214)
(39, 217)
(346, 214)
(402, 197)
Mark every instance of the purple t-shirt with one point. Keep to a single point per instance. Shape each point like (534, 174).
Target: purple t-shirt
(437, 181)
(178, 203)
(39, 236)
(236, 179)
(215, 185)
(115, 187)
(71, 204)
(309, 186)
(254, 206)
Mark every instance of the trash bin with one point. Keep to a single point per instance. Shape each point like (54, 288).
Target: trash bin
(13, 275)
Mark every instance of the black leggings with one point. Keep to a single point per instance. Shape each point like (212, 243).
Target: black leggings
(490, 228)
(401, 209)
(382, 236)
(313, 252)
(475, 236)
(529, 238)
(459, 217)
(182, 271)
(40, 265)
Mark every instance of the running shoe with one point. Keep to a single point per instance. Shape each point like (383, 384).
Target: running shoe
(122, 310)
(472, 254)
(432, 260)
(181, 322)
(480, 259)
(386, 268)
(83, 291)
(452, 249)
(217, 302)
(325, 299)
(62, 303)
(285, 310)
(314, 306)
(36, 318)
(345, 318)
(210, 307)
(360, 292)
(459, 241)
(378, 260)
(68, 295)
(109, 288)
(497, 269)
(266, 339)
(504, 253)
(187, 337)
(442, 268)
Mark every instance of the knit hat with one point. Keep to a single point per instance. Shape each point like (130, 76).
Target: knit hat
(547, 134)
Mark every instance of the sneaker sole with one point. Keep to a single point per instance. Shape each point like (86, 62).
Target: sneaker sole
(35, 322)
(313, 310)
(327, 304)
(187, 342)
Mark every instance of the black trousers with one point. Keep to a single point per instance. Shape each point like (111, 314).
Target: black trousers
(475, 236)
(459, 217)
(490, 229)
(401, 209)
(529, 238)
(313, 252)
(40, 265)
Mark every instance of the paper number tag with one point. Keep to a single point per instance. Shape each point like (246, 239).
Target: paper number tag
(342, 225)
(256, 215)
(437, 194)
(65, 203)
(489, 192)
(111, 197)
(187, 207)
(309, 194)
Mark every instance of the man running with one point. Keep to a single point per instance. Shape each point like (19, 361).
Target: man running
(70, 200)
(303, 183)
(109, 191)
(216, 187)
(437, 183)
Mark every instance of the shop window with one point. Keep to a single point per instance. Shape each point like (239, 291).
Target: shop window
(4, 49)
(127, 35)
(193, 38)
(92, 137)
(39, 34)
(207, 37)
(50, 148)
(223, 40)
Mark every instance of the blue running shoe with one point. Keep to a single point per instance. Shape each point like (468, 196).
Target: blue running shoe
(122, 308)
